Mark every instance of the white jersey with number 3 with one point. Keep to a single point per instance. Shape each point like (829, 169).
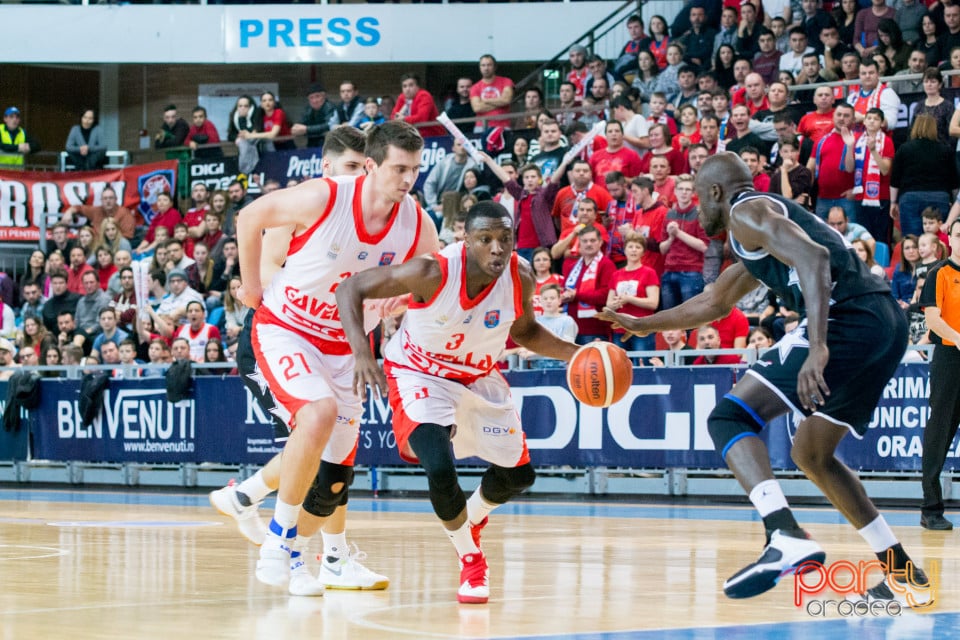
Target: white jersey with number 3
(301, 295)
(454, 336)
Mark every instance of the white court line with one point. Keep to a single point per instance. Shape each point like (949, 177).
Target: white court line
(54, 552)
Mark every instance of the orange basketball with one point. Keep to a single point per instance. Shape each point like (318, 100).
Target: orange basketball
(599, 374)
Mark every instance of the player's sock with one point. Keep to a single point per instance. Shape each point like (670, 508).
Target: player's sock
(253, 490)
(462, 539)
(286, 515)
(880, 537)
(334, 545)
(769, 501)
(478, 508)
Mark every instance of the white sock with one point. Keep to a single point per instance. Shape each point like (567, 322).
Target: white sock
(878, 535)
(768, 497)
(334, 544)
(301, 544)
(255, 488)
(478, 508)
(462, 540)
(286, 515)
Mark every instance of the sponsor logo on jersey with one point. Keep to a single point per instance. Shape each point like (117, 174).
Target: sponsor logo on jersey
(334, 251)
(387, 257)
(468, 319)
(491, 319)
(362, 255)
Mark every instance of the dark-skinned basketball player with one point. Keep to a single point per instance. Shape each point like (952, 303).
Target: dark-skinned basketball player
(832, 369)
(441, 371)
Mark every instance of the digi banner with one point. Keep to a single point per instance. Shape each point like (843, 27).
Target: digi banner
(662, 422)
(27, 196)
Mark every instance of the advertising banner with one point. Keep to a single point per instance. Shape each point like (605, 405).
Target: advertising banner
(303, 164)
(662, 422)
(27, 196)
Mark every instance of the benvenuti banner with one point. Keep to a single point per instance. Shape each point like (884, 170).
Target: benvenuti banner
(662, 422)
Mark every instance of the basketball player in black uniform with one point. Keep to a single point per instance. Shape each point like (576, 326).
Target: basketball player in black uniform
(832, 369)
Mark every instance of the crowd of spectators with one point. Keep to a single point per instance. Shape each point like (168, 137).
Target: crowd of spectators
(614, 224)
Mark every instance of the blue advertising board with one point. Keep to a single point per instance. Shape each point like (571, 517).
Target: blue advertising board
(662, 422)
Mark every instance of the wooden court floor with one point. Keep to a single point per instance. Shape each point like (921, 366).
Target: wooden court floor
(131, 564)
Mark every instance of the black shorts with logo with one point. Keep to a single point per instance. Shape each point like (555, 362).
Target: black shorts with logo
(866, 336)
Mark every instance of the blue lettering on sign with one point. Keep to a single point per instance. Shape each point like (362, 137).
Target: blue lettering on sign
(310, 32)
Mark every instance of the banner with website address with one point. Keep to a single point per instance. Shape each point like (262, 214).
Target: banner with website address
(303, 164)
(662, 422)
(27, 196)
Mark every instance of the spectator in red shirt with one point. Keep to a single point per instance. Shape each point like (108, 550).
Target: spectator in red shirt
(817, 124)
(828, 165)
(578, 70)
(166, 216)
(568, 246)
(683, 247)
(661, 144)
(275, 124)
(193, 218)
(581, 186)
(616, 157)
(733, 329)
(709, 338)
(751, 156)
(648, 221)
(416, 105)
(202, 132)
(873, 159)
(586, 287)
(492, 95)
(75, 270)
(663, 183)
(635, 291)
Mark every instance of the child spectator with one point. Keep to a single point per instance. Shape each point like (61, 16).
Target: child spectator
(930, 217)
(792, 180)
(931, 252)
(683, 246)
(453, 229)
(634, 290)
(556, 321)
(543, 275)
(371, 115)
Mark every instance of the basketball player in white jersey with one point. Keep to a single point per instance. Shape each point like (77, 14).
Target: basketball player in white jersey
(442, 375)
(341, 226)
(326, 502)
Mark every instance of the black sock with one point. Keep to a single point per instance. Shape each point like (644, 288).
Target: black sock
(244, 499)
(900, 557)
(782, 519)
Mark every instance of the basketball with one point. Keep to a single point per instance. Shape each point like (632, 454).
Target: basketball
(599, 374)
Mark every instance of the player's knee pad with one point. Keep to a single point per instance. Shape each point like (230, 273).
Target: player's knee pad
(431, 444)
(500, 484)
(730, 421)
(329, 489)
